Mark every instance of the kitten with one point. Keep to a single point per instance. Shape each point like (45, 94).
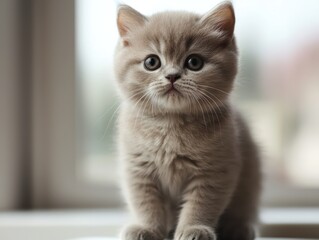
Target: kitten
(190, 166)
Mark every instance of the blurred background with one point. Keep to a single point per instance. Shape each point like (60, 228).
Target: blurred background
(58, 109)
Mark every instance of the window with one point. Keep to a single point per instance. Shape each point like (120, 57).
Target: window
(76, 102)
(96, 38)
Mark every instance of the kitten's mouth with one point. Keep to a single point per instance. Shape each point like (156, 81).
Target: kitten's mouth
(172, 90)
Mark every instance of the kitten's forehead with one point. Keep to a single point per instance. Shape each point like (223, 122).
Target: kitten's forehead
(174, 33)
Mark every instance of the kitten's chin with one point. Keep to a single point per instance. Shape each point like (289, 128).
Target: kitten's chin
(173, 102)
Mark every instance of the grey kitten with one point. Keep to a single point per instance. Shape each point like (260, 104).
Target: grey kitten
(190, 166)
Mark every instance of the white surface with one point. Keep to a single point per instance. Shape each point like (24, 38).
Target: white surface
(95, 238)
(107, 238)
(64, 218)
(61, 225)
(119, 217)
(106, 224)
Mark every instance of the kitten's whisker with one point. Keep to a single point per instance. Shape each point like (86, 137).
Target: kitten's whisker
(155, 105)
(207, 96)
(156, 84)
(212, 95)
(195, 97)
(212, 107)
(218, 107)
(108, 123)
(109, 109)
(188, 97)
(138, 91)
(136, 103)
(190, 103)
(206, 86)
(159, 88)
(209, 109)
(106, 111)
(139, 108)
(152, 97)
(148, 98)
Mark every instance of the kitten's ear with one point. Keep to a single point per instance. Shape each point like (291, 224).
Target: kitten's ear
(221, 18)
(128, 19)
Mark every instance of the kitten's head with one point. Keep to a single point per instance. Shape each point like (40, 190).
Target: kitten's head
(176, 62)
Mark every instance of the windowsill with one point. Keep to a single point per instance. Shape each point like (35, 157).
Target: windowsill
(60, 224)
(290, 222)
(68, 224)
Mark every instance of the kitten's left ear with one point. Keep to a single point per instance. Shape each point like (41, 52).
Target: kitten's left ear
(128, 19)
(221, 18)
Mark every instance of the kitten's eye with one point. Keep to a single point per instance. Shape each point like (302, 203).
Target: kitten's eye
(194, 62)
(152, 62)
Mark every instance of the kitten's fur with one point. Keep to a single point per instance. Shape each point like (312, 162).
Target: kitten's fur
(190, 166)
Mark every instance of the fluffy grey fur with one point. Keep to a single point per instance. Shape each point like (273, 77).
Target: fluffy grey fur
(191, 169)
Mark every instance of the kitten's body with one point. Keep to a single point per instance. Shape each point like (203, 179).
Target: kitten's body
(189, 167)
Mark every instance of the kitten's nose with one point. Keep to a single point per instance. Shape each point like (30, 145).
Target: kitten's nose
(173, 77)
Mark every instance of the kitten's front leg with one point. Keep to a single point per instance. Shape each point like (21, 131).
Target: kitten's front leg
(205, 200)
(146, 201)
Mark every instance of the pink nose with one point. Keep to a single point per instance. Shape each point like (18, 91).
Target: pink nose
(173, 77)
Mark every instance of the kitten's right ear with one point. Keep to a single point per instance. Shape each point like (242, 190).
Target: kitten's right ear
(221, 18)
(128, 19)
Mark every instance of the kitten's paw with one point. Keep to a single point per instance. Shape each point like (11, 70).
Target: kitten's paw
(135, 232)
(197, 232)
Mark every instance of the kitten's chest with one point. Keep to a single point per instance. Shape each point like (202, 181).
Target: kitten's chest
(168, 142)
(171, 150)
